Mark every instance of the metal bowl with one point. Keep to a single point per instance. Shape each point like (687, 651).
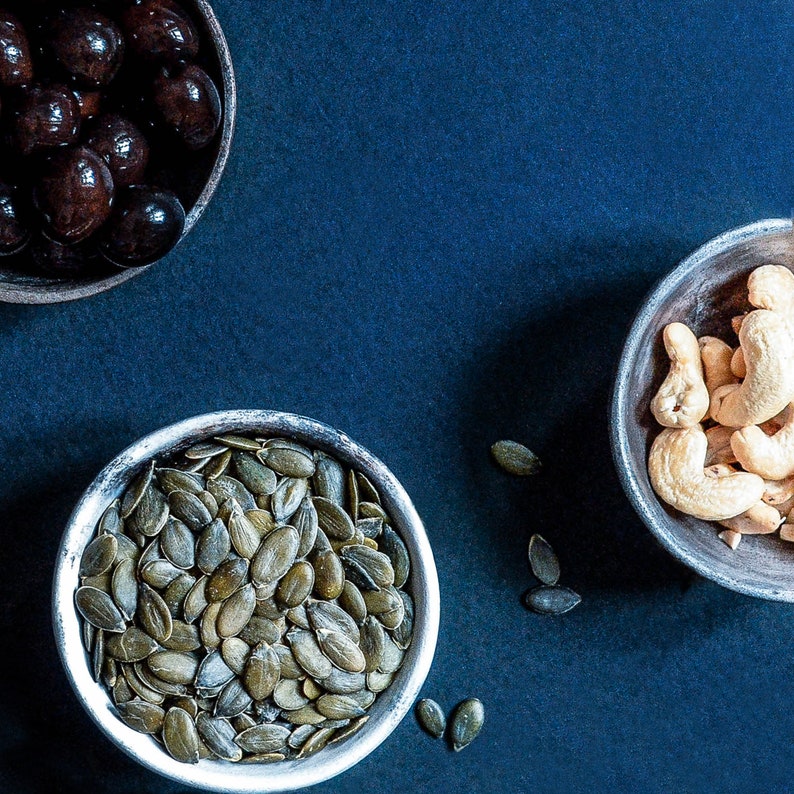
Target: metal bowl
(387, 710)
(18, 281)
(704, 291)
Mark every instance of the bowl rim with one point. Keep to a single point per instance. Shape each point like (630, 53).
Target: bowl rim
(619, 404)
(223, 776)
(41, 294)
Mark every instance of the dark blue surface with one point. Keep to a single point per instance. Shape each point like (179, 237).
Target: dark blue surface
(435, 226)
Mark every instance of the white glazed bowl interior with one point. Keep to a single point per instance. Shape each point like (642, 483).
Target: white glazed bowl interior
(704, 291)
(223, 776)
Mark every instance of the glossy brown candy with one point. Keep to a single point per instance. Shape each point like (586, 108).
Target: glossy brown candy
(14, 233)
(16, 66)
(189, 104)
(88, 45)
(48, 116)
(122, 146)
(159, 31)
(146, 224)
(90, 103)
(61, 259)
(74, 195)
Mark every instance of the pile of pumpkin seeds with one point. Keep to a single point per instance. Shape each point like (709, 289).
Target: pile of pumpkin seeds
(246, 601)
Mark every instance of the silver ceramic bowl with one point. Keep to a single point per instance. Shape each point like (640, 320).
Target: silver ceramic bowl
(387, 710)
(704, 291)
(195, 187)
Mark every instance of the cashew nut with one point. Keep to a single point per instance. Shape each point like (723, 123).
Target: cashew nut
(682, 399)
(769, 386)
(738, 367)
(787, 532)
(719, 445)
(760, 519)
(778, 492)
(731, 537)
(716, 357)
(770, 456)
(736, 323)
(772, 287)
(676, 467)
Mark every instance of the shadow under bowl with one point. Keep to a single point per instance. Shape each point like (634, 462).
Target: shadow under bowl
(704, 291)
(193, 176)
(236, 778)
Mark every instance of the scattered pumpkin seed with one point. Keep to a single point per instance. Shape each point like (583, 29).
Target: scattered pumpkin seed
(515, 458)
(466, 723)
(431, 717)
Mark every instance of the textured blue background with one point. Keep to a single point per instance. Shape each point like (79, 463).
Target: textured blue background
(437, 221)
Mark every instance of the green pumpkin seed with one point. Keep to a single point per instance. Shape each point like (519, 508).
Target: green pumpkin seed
(348, 730)
(296, 585)
(236, 611)
(289, 665)
(263, 738)
(393, 547)
(209, 501)
(288, 694)
(328, 479)
(305, 715)
(338, 707)
(329, 575)
(333, 520)
(305, 522)
(141, 689)
(232, 700)
(372, 566)
(180, 736)
(213, 672)
(218, 734)
(351, 600)
(160, 573)
(127, 549)
(387, 605)
(213, 546)
(235, 653)
(227, 578)
(340, 682)
(515, 458)
(98, 608)
(316, 742)
(225, 487)
(151, 513)
(373, 643)
(403, 634)
(153, 614)
(255, 476)
(196, 600)
(392, 657)
(188, 704)
(131, 646)
(178, 544)
(99, 555)
(341, 650)
(260, 629)
(208, 628)
(307, 653)
(141, 716)
(98, 655)
(287, 462)
(205, 449)
(377, 682)
(262, 520)
(111, 519)
(556, 600)
(175, 667)
(217, 465)
(370, 527)
(122, 692)
(124, 587)
(287, 497)
(189, 509)
(238, 442)
(298, 617)
(299, 736)
(136, 490)
(184, 637)
(466, 723)
(242, 722)
(177, 480)
(326, 615)
(372, 510)
(431, 717)
(275, 556)
(175, 594)
(262, 672)
(543, 561)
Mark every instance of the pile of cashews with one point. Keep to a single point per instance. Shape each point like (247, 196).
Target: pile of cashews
(739, 470)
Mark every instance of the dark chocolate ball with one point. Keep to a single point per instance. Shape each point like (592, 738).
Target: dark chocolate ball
(74, 195)
(48, 116)
(145, 225)
(60, 259)
(159, 31)
(16, 66)
(88, 45)
(90, 103)
(189, 104)
(14, 232)
(122, 146)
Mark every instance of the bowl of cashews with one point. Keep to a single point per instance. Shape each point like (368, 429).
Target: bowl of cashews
(702, 415)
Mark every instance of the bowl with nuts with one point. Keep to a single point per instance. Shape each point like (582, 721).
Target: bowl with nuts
(246, 601)
(702, 415)
(115, 126)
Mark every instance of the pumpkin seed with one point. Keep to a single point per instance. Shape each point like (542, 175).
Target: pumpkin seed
(139, 687)
(305, 522)
(209, 501)
(122, 692)
(235, 653)
(403, 634)
(515, 458)
(196, 600)
(225, 487)
(153, 614)
(184, 637)
(333, 520)
(296, 585)
(543, 561)
(393, 547)
(236, 611)
(305, 715)
(316, 742)
(232, 700)
(289, 665)
(99, 555)
(373, 642)
(262, 672)
(189, 509)
(208, 628)
(298, 617)
(466, 723)
(431, 717)
(554, 600)
(98, 655)
(244, 535)
(98, 609)
(175, 667)
(136, 490)
(288, 694)
(237, 442)
(338, 707)
(263, 738)
(150, 515)
(299, 736)
(242, 722)
(351, 600)
(180, 736)
(141, 716)
(177, 480)
(275, 556)
(328, 479)
(131, 646)
(287, 497)
(226, 578)
(377, 682)
(213, 546)
(307, 653)
(326, 615)
(262, 520)
(372, 510)
(341, 650)
(160, 573)
(218, 734)
(329, 575)
(340, 682)
(217, 465)
(372, 566)
(158, 684)
(287, 462)
(124, 587)
(392, 657)
(348, 730)
(178, 544)
(111, 519)
(175, 594)
(370, 527)
(189, 704)
(213, 672)
(255, 476)
(260, 629)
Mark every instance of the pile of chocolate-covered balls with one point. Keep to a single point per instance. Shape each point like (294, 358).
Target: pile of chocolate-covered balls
(90, 96)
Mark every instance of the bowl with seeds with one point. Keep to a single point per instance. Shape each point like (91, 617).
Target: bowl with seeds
(246, 601)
